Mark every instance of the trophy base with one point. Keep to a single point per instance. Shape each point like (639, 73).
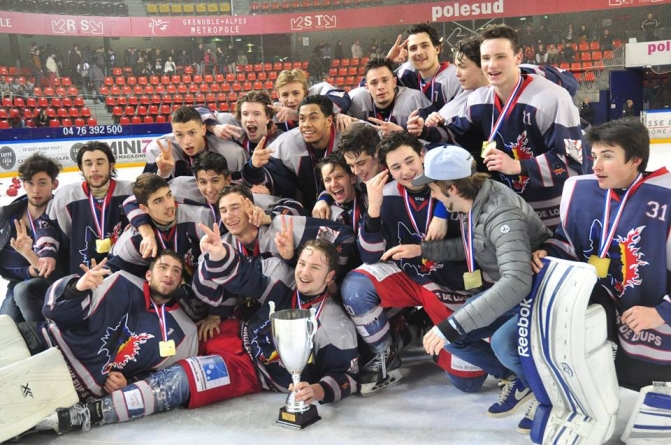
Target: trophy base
(298, 420)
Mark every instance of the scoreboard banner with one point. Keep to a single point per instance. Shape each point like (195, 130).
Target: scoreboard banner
(128, 148)
(658, 123)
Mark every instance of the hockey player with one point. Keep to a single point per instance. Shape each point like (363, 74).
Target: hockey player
(245, 362)
(253, 116)
(292, 87)
(382, 102)
(349, 204)
(20, 264)
(172, 155)
(287, 166)
(400, 213)
(529, 125)
(499, 230)
(615, 220)
(113, 328)
(87, 217)
(424, 71)
(173, 226)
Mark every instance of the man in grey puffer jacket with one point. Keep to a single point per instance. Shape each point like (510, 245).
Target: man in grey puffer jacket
(499, 232)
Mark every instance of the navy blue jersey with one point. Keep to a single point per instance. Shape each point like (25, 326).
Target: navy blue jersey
(113, 328)
(639, 272)
(335, 362)
(76, 217)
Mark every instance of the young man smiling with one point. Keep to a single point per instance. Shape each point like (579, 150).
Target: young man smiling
(87, 217)
(19, 262)
(381, 101)
(529, 126)
(172, 155)
(400, 213)
(288, 165)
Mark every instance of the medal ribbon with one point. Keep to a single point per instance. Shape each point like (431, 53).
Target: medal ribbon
(100, 223)
(606, 234)
(164, 240)
(505, 111)
(296, 300)
(355, 215)
(161, 320)
(429, 213)
(424, 86)
(467, 239)
(243, 250)
(31, 222)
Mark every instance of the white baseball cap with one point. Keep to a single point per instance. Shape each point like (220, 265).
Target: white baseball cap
(445, 163)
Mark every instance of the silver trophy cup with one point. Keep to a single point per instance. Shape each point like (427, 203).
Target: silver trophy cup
(293, 330)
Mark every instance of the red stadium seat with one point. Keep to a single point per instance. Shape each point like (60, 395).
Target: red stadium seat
(92, 121)
(79, 122)
(86, 112)
(67, 122)
(54, 123)
(135, 120)
(5, 125)
(123, 120)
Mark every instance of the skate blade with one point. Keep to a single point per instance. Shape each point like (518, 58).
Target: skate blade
(393, 378)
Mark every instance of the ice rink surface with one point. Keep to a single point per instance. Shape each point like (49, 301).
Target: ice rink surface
(423, 409)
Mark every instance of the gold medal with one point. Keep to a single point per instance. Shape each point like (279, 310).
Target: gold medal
(167, 348)
(601, 265)
(103, 245)
(472, 280)
(486, 146)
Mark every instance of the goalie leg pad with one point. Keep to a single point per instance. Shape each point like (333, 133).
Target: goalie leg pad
(12, 347)
(569, 366)
(650, 422)
(32, 389)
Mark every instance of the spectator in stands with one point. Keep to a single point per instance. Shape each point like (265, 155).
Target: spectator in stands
(100, 59)
(16, 118)
(182, 61)
(339, 51)
(97, 79)
(111, 61)
(570, 34)
(36, 67)
(230, 57)
(541, 35)
(209, 61)
(52, 69)
(649, 25)
(84, 69)
(74, 59)
(567, 53)
(327, 55)
(357, 51)
(199, 58)
(16, 89)
(541, 55)
(584, 33)
(222, 60)
(528, 36)
(4, 88)
(170, 68)
(158, 66)
(587, 111)
(553, 55)
(242, 59)
(315, 66)
(628, 109)
(133, 57)
(606, 41)
(42, 120)
(28, 88)
(529, 54)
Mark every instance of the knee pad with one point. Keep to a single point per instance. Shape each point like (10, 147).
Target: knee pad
(32, 389)
(567, 358)
(650, 422)
(12, 346)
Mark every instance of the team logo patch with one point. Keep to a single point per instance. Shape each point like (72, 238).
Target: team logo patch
(520, 151)
(424, 267)
(505, 228)
(121, 346)
(632, 259)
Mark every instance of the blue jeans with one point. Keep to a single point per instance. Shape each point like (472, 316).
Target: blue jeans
(9, 306)
(29, 297)
(472, 347)
(504, 344)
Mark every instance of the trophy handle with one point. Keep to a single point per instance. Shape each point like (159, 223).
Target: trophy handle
(271, 304)
(312, 324)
